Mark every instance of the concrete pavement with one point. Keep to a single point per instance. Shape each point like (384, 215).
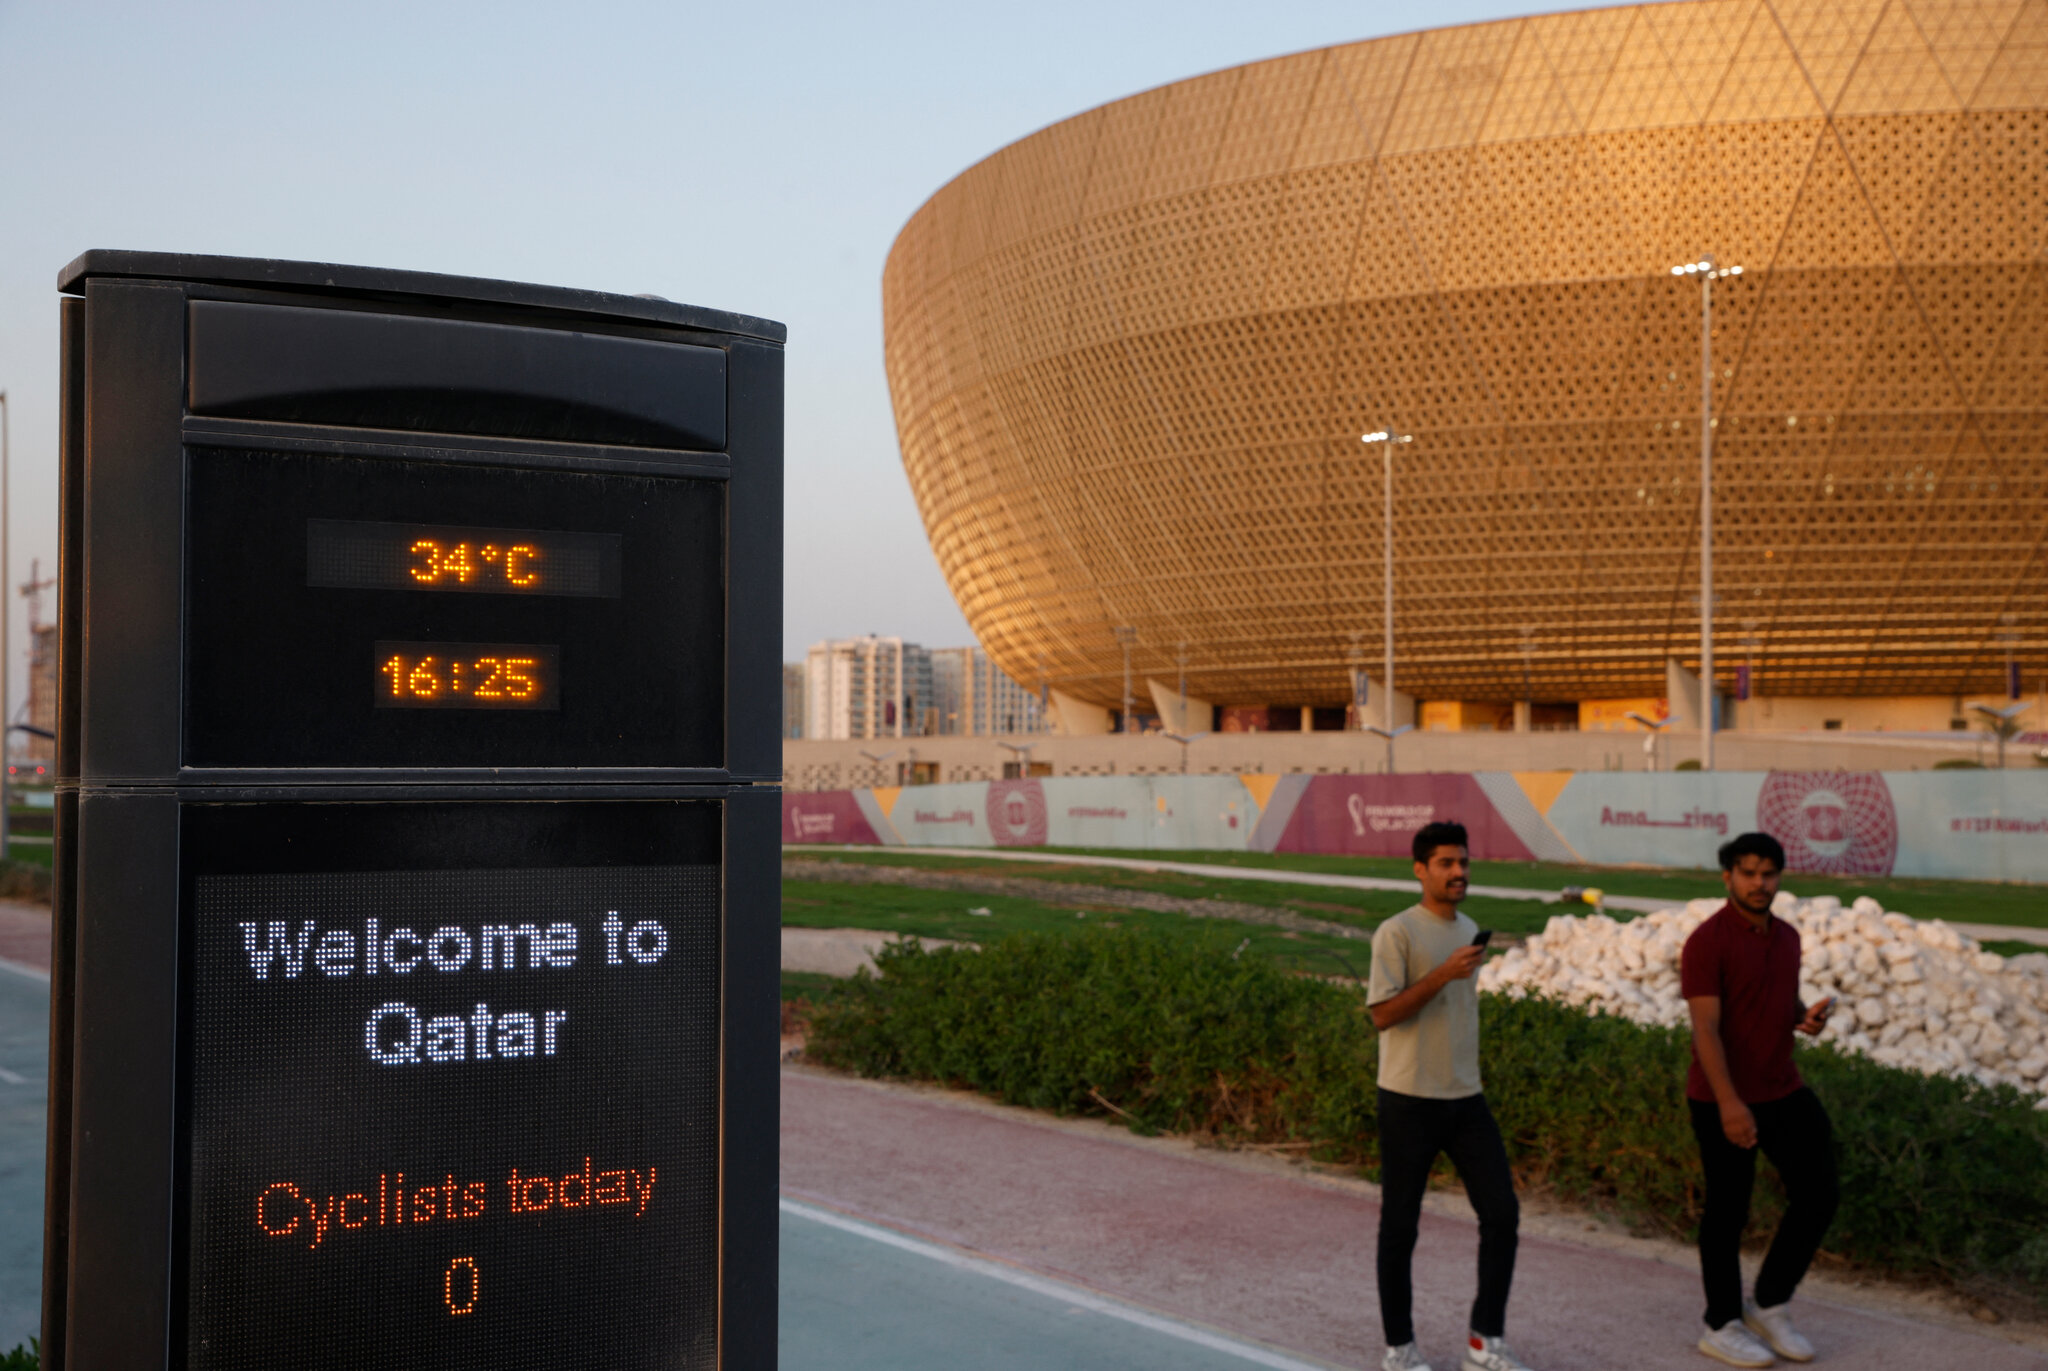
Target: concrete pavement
(25, 937)
(1257, 1250)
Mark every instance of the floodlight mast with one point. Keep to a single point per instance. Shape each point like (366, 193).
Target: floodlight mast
(1126, 635)
(1704, 268)
(1388, 437)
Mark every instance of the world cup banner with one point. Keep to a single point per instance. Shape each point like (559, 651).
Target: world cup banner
(1968, 825)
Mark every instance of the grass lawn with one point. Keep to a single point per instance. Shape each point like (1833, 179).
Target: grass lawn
(2010, 947)
(1985, 902)
(796, 985)
(29, 854)
(944, 914)
(1361, 908)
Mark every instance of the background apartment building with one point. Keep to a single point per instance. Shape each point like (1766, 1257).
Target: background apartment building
(793, 695)
(975, 698)
(876, 687)
(868, 687)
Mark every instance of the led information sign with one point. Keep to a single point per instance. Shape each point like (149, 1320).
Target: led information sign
(483, 561)
(472, 1111)
(466, 676)
(414, 948)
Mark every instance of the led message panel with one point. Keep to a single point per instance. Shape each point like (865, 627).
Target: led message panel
(444, 1111)
(365, 612)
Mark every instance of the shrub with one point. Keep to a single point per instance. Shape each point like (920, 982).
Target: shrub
(23, 881)
(1939, 1176)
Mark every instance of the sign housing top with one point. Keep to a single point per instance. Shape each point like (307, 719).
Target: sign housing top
(413, 285)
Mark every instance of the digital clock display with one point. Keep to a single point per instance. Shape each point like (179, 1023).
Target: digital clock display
(345, 611)
(467, 676)
(353, 554)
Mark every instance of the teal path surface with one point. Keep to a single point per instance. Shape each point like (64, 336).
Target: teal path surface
(858, 1297)
(24, 1063)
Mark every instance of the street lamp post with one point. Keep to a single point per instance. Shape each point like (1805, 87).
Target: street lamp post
(1707, 272)
(1528, 691)
(1390, 734)
(1388, 437)
(2009, 638)
(1354, 667)
(1184, 739)
(2002, 724)
(1180, 657)
(1127, 635)
(1656, 727)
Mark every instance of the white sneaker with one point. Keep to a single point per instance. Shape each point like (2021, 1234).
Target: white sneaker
(1406, 1357)
(1734, 1344)
(1774, 1326)
(1490, 1354)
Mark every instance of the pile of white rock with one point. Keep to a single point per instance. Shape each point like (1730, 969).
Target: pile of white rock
(1909, 993)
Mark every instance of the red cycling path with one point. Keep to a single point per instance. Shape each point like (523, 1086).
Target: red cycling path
(1257, 1249)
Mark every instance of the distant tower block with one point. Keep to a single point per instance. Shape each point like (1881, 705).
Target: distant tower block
(38, 743)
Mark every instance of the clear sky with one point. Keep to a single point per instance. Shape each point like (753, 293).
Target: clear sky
(755, 157)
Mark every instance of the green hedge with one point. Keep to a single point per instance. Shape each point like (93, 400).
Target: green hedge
(1940, 1176)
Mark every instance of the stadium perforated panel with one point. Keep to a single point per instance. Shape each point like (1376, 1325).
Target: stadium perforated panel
(1131, 357)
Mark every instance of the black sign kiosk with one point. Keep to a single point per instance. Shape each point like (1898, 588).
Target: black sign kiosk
(413, 996)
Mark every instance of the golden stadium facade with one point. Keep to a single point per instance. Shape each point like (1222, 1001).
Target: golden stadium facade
(1131, 357)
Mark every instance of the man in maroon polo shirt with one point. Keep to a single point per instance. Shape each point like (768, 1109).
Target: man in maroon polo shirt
(1740, 978)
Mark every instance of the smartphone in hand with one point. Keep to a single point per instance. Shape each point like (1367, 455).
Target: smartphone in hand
(1483, 937)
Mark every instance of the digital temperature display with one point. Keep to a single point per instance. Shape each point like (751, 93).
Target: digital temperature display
(353, 554)
(359, 612)
(467, 676)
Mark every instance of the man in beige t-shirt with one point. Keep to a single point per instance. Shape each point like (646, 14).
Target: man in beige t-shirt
(1425, 1005)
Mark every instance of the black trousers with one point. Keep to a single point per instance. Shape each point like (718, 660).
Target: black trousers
(1795, 1134)
(1413, 1132)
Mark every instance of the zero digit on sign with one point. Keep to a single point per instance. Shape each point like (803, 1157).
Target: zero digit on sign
(461, 1274)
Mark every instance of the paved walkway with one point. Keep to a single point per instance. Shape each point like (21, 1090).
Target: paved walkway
(1635, 904)
(25, 937)
(1254, 1253)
